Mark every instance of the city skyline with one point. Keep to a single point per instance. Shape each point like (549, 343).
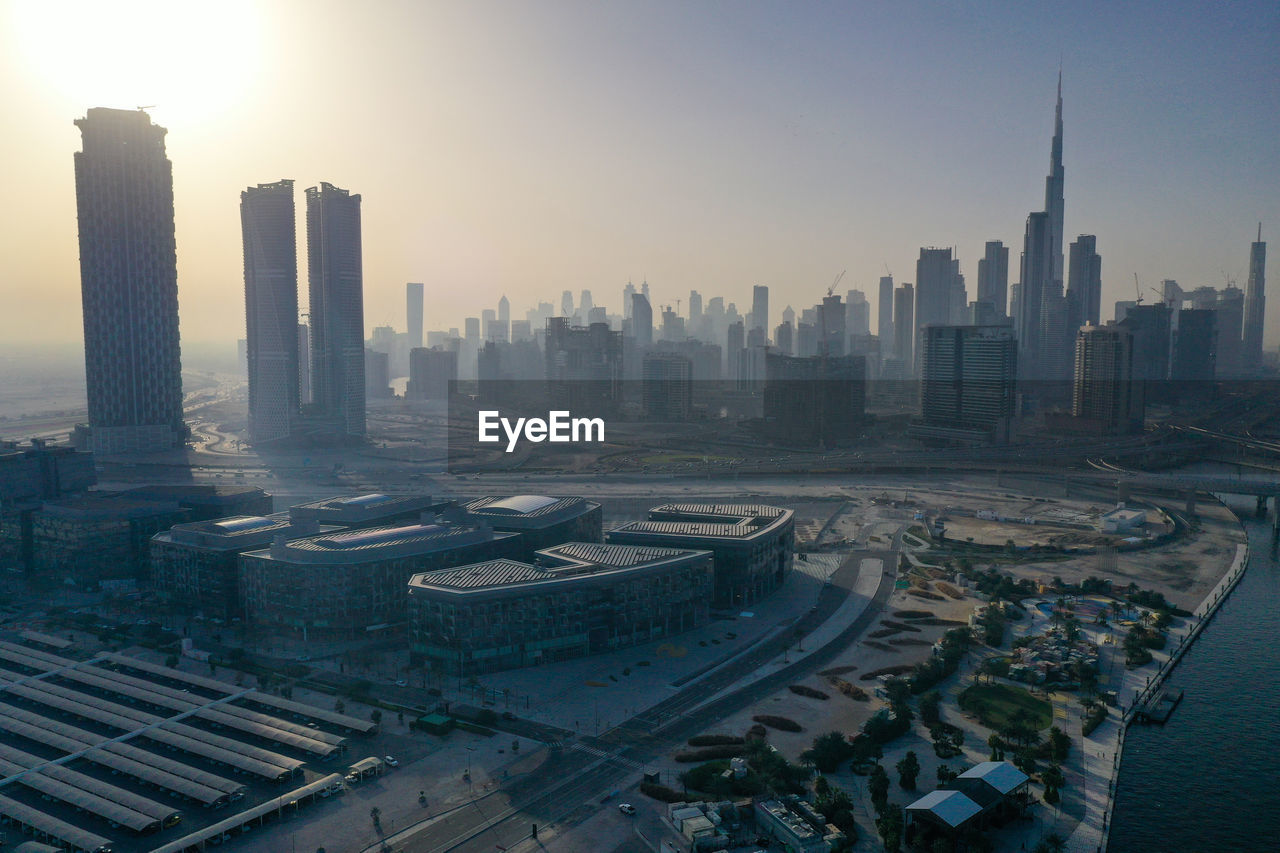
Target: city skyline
(659, 178)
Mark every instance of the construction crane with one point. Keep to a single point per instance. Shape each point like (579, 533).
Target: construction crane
(1137, 289)
(887, 271)
(832, 288)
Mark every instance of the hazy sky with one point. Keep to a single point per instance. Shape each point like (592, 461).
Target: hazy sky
(530, 147)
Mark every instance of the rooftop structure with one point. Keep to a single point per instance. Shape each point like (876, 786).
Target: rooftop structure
(365, 510)
(541, 521)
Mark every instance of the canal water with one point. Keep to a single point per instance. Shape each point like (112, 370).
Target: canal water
(1207, 781)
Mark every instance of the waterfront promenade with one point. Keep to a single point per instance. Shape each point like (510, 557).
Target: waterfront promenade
(1102, 749)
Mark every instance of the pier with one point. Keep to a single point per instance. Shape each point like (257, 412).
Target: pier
(1158, 708)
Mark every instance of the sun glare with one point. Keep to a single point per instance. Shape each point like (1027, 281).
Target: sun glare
(191, 60)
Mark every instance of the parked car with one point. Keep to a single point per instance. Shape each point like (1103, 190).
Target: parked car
(402, 683)
(391, 762)
(626, 808)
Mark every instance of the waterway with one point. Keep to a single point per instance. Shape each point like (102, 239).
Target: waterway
(1206, 781)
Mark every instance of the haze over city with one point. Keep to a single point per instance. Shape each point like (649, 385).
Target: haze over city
(529, 149)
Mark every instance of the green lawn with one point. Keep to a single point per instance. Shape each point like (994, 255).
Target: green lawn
(996, 703)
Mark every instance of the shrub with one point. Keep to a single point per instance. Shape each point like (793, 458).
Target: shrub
(811, 692)
(782, 724)
(661, 792)
(715, 740)
(709, 753)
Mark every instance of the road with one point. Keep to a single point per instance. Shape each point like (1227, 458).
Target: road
(572, 777)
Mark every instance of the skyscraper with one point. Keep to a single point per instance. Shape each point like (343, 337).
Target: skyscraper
(831, 326)
(759, 318)
(335, 276)
(1035, 279)
(993, 277)
(884, 315)
(504, 318)
(904, 327)
(641, 320)
(1084, 287)
(271, 308)
(413, 308)
(1053, 193)
(128, 283)
(1255, 304)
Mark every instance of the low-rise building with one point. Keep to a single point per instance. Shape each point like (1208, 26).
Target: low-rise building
(1122, 520)
(754, 545)
(779, 820)
(541, 521)
(194, 564)
(97, 539)
(576, 599)
(352, 583)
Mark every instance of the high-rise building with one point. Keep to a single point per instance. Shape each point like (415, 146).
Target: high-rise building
(430, 372)
(627, 292)
(128, 283)
(831, 325)
(759, 318)
(967, 383)
(335, 276)
(1035, 279)
(1152, 335)
(1195, 346)
(1231, 301)
(304, 364)
(735, 343)
(993, 277)
(904, 327)
(566, 303)
(1105, 397)
(1255, 305)
(818, 401)
(695, 308)
(504, 318)
(884, 315)
(584, 366)
(271, 309)
(784, 338)
(1084, 285)
(641, 320)
(667, 387)
(857, 313)
(413, 309)
(934, 287)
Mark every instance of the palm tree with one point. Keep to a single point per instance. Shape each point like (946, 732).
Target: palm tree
(1055, 842)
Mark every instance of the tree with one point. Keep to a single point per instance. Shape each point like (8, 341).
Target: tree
(945, 774)
(890, 826)
(1059, 744)
(828, 752)
(908, 770)
(376, 716)
(821, 787)
(1056, 842)
(339, 705)
(930, 704)
(878, 786)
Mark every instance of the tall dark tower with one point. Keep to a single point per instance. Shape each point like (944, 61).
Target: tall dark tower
(336, 285)
(271, 308)
(413, 309)
(1053, 191)
(993, 277)
(1255, 304)
(128, 283)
